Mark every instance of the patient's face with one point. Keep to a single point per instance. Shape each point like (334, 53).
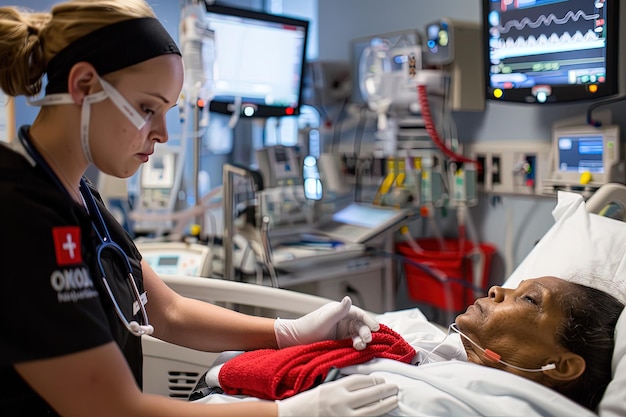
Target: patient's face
(518, 324)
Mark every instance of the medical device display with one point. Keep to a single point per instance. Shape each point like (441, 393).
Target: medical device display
(585, 156)
(177, 258)
(279, 165)
(360, 222)
(547, 51)
(251, 78)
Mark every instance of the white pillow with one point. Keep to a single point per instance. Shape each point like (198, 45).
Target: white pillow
(581, 247)
(591, 250)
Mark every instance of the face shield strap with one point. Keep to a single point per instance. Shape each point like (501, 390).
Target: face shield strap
(123, 105)
(107, 91)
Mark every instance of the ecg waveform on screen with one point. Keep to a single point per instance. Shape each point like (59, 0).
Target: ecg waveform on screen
(502, 48)
(546, 21)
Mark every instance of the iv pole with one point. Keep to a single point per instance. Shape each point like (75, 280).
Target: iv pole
(197, 44)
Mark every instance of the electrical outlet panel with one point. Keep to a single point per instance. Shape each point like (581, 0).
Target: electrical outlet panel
(516, 167)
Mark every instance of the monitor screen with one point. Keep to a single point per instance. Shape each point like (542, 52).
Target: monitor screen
(581, 154)
(259, 62)
(549, 51)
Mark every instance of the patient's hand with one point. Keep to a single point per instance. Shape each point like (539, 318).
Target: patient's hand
(354, 395)
(332, 321)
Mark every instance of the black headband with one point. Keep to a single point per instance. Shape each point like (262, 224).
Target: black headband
(111, 48)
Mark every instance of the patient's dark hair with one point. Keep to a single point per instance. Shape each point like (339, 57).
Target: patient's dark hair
(588, 330)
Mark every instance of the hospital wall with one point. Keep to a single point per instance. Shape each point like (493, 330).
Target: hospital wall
(512, 223)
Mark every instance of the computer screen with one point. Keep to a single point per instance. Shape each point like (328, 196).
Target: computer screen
(549, 51)
(259, 62)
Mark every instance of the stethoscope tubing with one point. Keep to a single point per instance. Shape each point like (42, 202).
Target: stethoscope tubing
(106, 242)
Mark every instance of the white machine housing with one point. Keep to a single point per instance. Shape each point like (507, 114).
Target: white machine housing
(177, 258)
(455, 47)
(585, 151)
(160, 180)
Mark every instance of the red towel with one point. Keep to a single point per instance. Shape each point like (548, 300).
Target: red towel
(274, 374)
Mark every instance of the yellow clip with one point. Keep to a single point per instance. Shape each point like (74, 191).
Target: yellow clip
(585, 178)
(195, 230)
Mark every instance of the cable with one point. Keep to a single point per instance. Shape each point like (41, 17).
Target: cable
(337, 126)
(358, 140)
(497, 358)
(594, 106)
(432, 130)
(433, 273)
(360, 128)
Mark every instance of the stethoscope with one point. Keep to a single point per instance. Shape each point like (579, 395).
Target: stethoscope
(106, 244)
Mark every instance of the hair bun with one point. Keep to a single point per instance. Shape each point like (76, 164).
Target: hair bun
(22, 64)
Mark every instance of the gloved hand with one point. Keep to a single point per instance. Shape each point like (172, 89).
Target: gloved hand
(354, 395)
(332, 321)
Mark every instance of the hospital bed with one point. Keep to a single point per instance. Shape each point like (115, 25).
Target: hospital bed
(172, 370)
(461, 388)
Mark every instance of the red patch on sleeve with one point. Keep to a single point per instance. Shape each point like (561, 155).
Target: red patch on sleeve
(67, 245)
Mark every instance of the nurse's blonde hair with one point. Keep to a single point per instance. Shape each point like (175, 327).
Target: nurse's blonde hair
(29, 40)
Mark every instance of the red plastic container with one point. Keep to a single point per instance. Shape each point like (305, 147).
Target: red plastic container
(453, 263)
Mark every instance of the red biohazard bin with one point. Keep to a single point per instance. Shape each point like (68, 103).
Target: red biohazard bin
(454, 263)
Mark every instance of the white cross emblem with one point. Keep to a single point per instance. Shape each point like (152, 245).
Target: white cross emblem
(69, 245)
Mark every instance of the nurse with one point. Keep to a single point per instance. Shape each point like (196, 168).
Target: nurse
(75, 294)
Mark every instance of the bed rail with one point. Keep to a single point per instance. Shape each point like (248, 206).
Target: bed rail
(173, 371)
(609, 200)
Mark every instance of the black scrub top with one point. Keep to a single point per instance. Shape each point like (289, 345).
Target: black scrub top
(52, 298)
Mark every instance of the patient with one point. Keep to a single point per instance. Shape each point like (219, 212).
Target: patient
(547, 321)
(555, 332)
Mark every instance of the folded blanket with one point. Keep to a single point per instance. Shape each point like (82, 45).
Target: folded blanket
(275, 374)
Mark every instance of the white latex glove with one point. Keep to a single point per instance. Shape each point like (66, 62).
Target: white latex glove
(332, 321)
(353, 395)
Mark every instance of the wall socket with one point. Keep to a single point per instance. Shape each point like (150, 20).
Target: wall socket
(516, 167)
